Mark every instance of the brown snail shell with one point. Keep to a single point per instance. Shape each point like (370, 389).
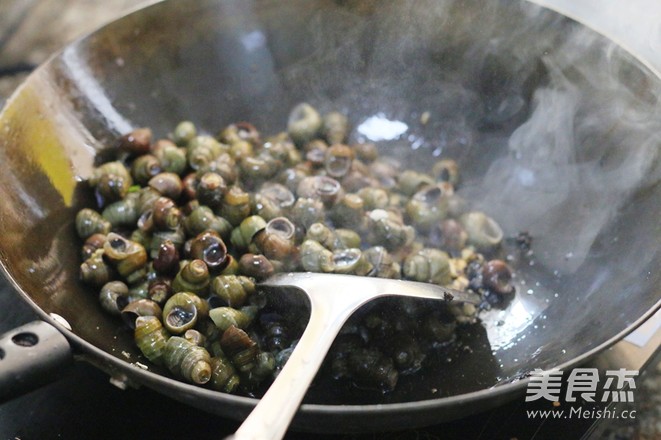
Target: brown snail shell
(211, 189)
(189, 186)
(165, 214)
(276, 240)
(127, 256)
(95, 270)
(240, 348)
(256, 266)
(136, 142)
(93, 242)
(497, 277)
(180, 313)
(210, 248)
(138, 308)
(159, 289)
(167, 260)
(168, 184)
(337, 160)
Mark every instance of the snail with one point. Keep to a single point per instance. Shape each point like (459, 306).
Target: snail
(232, 290)
(187, 360)
(151, 338)
(187, 225)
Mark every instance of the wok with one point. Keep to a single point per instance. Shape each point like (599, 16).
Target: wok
(557, 136)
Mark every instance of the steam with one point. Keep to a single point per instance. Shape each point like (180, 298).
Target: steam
(555, 126)
(591, 140)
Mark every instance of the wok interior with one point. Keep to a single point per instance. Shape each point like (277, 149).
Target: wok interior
(555, 130)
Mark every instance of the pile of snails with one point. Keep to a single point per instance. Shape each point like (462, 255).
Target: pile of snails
(187, 225)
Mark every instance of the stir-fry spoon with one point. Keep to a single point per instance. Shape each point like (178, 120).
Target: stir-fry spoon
(333, 299)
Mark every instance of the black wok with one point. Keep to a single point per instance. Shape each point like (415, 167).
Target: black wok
(555, 127)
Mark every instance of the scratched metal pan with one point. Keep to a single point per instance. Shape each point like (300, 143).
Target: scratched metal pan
(555, 128)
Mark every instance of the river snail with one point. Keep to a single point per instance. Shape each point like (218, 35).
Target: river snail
(428, 265)
(171, 158)
(182, 311)
(89, 222)
(193, 276)
(123, 212)
(210, 248)
(223, 375)
(186, 226)
(183, 132)
(232, 290)
(240, 348)
(151, 338)
(114, 296)
(144, 168)
(159, 289)
(277, 239)
(141, 307)
(236, 205)
(243, 234)
(304, 123)
(272, 200)
(211, 189)
(315, 257)
(111, 180)
(483, 231)
(92, 243)
(334, 127)
(95, 271)
(187, 360)
(127, 256)
(202, 218)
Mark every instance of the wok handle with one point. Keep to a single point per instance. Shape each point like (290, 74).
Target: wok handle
(31, 356)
